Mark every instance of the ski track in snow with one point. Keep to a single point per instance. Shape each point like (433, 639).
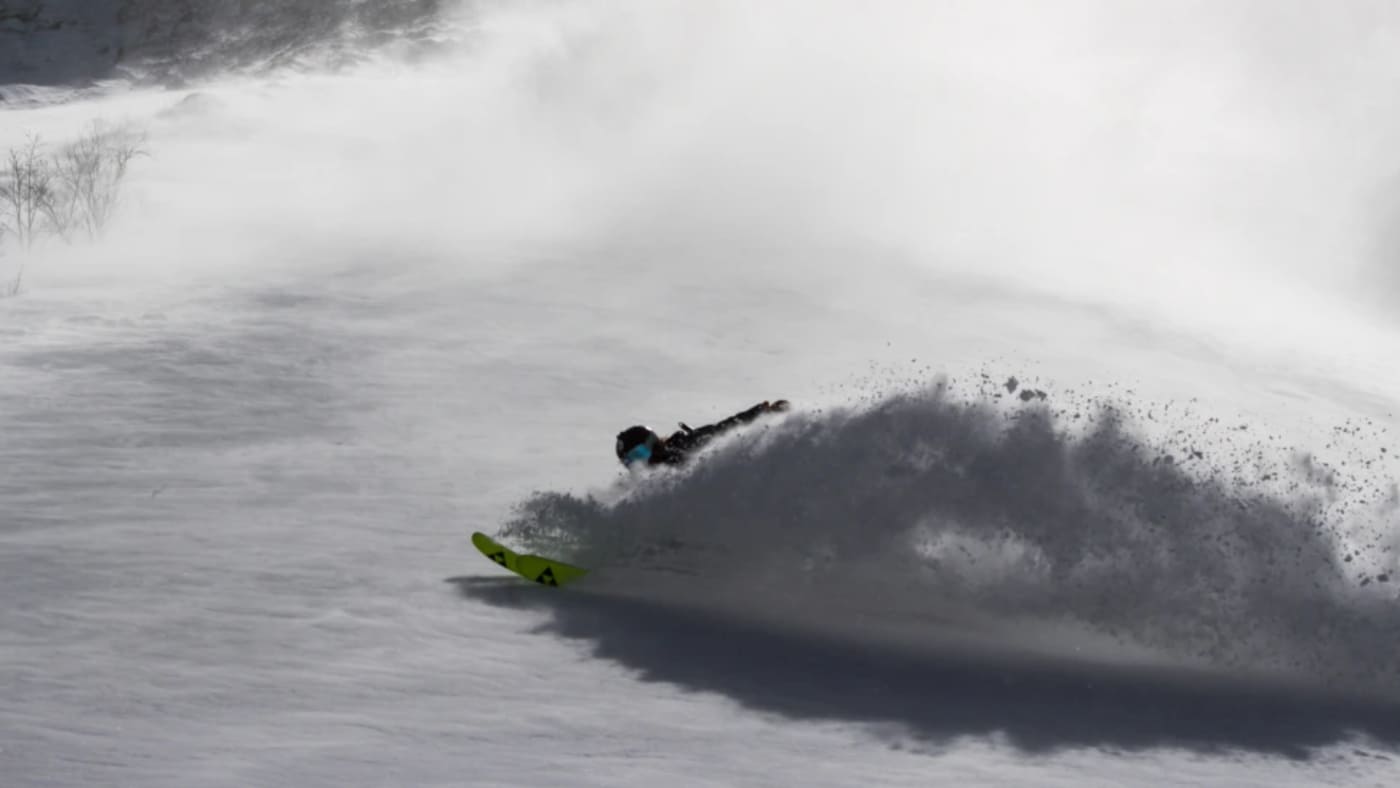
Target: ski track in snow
(243, 453)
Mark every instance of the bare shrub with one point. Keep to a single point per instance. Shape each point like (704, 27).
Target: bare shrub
(89, 174)
(26, 196)
(74, 190)
(26, 191)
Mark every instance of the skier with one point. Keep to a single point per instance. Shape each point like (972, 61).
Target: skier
(640, 445)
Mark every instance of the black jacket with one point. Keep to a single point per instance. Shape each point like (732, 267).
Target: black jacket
(687, 440)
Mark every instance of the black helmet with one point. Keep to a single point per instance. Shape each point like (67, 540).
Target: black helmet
(636, 443)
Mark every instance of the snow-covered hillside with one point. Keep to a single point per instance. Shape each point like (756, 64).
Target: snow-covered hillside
(1091, 476)
(76, 42)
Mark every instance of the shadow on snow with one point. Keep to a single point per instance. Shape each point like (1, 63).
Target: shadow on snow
(933, 699)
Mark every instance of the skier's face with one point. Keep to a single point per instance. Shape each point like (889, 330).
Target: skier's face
(639, 454)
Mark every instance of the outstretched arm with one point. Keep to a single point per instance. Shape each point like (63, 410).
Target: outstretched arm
(743, 417)
(677, 447)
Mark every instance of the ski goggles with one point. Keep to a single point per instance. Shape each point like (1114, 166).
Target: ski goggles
(639, 453)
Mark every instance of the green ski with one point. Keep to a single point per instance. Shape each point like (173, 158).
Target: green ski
(545, 571)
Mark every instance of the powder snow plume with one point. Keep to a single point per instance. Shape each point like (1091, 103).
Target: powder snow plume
(932, 518)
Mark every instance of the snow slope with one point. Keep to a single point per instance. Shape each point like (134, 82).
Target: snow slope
(68, 44)
(347, 318)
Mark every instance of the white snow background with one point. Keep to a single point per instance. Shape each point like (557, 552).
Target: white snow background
(354, 308)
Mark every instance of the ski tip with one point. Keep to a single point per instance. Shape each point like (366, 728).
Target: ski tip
(542, 570)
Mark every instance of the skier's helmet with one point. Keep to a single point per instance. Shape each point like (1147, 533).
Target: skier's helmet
(635, 444)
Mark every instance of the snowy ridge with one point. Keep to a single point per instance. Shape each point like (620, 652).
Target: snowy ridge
(62, 43)
(937, 521)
